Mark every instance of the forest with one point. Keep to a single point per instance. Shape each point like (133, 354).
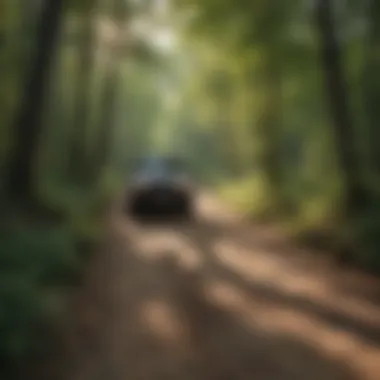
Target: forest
(274, 104)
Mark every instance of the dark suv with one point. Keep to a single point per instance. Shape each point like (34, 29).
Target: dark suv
(160, 185)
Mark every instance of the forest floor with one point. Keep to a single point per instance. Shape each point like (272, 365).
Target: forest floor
(216, 299)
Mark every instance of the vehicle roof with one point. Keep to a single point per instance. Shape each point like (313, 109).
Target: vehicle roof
(160, 157)
(160, 160)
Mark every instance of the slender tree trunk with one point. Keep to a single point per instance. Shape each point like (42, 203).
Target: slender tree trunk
(28, 124)
(372, 84)
(228, 139)
(107, 117)
(119, 12)
(78, 157)
(268, 80)
(338, 100)
(272, 120)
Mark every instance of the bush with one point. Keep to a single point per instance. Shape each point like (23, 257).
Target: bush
(40, 260)
(34, 263)
(251, 196)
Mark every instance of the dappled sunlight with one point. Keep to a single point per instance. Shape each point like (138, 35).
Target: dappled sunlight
(163, 321)
(255, 265)
(186, 303)
(338, 344)
(258, 267)
(152, 243)
(226, 295)
(213, 210)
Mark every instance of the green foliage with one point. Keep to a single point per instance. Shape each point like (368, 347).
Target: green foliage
(249, 196)
(35, 262)
(257, 82)
(32, 251)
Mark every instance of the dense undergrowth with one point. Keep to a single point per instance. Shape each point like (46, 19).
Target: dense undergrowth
(41, 263)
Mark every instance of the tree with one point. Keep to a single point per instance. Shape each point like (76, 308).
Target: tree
(22, 175)
(337, 95)
(78, 156)
(371, 86)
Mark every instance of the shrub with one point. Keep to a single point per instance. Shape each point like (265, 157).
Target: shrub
(34, 263)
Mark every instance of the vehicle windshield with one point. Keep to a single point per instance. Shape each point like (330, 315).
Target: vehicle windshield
(158, 165)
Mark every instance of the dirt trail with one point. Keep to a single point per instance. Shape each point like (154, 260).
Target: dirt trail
(217, 299)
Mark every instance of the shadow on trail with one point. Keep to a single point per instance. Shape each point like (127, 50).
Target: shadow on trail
(155, 320)
(270, 292)
(233, 349)
(351, 281)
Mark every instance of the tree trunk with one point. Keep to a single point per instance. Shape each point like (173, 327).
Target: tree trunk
(107, 117)
(267, 79)
(119, 11)
(338, 101)
(228, 137)
(372, 84)
(78, 157)
(272, 120)
(28, 124)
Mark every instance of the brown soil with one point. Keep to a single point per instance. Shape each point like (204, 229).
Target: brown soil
(219, 299)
